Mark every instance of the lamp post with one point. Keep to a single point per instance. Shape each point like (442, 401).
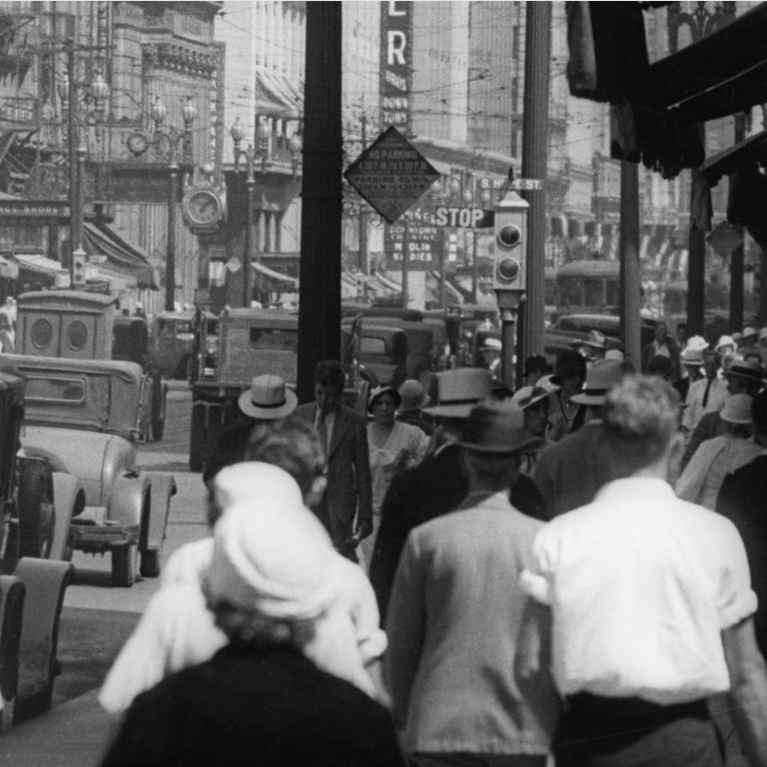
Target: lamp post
(263, 134)
(92, 107)
(166, 143)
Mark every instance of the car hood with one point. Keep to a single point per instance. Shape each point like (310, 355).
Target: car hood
(95, 458)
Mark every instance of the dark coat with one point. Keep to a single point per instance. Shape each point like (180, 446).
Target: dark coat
(272, 709)
(433, 488)
(349, 490)
(230, 448)
(743, 499)
(709, 426)
(569, 472)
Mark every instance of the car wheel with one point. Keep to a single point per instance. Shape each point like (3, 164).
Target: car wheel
(124, 565)
(150, 564)
(9, 539)
(36, 511)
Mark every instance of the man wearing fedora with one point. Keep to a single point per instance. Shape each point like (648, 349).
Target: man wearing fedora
(651, 607)
(569, 472)
(706, 395)
(594, 347)
(346, 510)
(743, 377)
(454, 665)
(438, 484)
(267, 399)
(414, 400)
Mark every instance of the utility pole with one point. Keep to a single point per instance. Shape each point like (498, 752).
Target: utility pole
(630, 274)
(737, 256)
(319, 317)
(534, 166)
(363, 229)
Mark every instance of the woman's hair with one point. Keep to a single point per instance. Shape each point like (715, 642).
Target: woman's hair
(261, 631)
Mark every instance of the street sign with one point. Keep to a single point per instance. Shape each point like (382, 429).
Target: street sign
(465, 218)
(724, 239)
(528, 184)
(391, 174)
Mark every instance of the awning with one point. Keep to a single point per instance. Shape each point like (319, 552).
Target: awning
(37, 264)
(274, 93)
(99, 239)
(733, 159)
(283, 279)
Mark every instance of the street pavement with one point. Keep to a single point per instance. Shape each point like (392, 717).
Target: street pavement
(97, 618)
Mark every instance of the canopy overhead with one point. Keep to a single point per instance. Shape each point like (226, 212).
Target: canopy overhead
(121, 257)
(732, 159)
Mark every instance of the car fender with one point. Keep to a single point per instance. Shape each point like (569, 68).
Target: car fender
(69, 501)
(162, 486)
(129, 494)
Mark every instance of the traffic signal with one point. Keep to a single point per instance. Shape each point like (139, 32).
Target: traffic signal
(78, 267)
(510, 262)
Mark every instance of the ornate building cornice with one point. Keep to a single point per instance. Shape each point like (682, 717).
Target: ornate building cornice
(178, 57)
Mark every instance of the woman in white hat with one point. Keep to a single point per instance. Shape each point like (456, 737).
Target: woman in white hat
(259, 700)
(392, 446)
(703, 476)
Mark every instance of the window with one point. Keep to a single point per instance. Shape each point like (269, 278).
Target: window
(68, 390)
(77, 335)
(42, 333)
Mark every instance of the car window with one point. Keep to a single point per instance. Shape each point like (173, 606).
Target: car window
(63, 390)
(370, 345)
(274, 339)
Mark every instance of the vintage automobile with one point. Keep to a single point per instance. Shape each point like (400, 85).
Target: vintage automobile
(82, 419)
(171, 345)
(80, 325)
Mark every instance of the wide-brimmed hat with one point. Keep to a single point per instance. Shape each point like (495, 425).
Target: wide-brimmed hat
(737, 409)
(600, 378)
(272, 556)
(268, 398)
(569, 363)
(725, 341)
(492, 344)
(527, 396)
(697, 342)
(412, 396)
(596, 340)
(498, 429)
(692, 357)
(750, 370)
(615, 354)
(458, 391)
(749, 331)
(379, 391)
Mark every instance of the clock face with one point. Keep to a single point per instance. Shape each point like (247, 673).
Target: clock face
(137, 143)
(203, 206)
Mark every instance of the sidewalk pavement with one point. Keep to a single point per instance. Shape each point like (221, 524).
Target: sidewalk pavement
(74, 734)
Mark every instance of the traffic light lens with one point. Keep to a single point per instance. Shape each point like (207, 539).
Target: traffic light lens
(509, 236)
(508, 269)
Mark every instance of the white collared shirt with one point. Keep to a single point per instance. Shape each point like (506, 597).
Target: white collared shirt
(641, 584)
(717, 396)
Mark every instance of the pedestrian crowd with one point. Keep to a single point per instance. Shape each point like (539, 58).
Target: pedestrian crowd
(569, 574)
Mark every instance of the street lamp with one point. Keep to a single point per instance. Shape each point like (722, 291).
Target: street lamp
(88, 110)
(263, 133)
(166, 143)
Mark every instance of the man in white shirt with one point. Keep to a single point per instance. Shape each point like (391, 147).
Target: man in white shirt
(652, 607)
(706, 395)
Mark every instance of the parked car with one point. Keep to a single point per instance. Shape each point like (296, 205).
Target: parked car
(74, 324)
(171, 346)
(95, 405)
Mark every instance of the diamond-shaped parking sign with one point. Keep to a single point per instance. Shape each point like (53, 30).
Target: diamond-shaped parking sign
(391, 174)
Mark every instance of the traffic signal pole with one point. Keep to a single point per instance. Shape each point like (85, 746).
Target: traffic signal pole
(534, 166)
(319, 316)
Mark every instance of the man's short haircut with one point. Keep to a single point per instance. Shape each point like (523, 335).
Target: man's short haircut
(759, 411)
(661, 366)
(639, 421)
(293, 445)
(330, 373)
(680, 325)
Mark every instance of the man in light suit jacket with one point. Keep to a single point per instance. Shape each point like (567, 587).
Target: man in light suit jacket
(342, 432)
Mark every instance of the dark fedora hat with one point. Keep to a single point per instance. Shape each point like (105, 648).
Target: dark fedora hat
(569, 363)
(750, 370)
(497, 428)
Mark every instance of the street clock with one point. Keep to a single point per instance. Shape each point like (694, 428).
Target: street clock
(203, 208)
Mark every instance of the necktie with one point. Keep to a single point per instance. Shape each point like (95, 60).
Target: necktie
(705, 393)
(321, 426)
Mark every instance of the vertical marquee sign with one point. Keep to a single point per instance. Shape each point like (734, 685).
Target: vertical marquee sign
(396, 64)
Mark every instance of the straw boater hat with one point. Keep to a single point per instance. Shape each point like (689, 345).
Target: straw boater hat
(268, 399)
(737, 409)
(413, 396)
(497, 429)
(492, 344)
(459, 390)
(692, 357)
(527, 396)
(600, 378)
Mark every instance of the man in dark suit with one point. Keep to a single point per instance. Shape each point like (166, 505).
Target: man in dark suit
(342, 432)
(438, 484)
